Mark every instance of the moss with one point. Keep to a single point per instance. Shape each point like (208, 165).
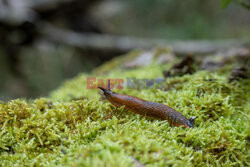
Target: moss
(63, 130)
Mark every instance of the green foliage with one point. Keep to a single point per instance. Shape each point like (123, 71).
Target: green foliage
(243, 3)
(225, 3)
(73, 127)
(180, 19)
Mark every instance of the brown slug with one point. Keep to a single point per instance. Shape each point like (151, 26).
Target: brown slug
(147, 108)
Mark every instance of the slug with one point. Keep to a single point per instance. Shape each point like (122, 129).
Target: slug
(147, 108)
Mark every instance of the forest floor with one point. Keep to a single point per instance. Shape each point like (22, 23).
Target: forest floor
(74, 126)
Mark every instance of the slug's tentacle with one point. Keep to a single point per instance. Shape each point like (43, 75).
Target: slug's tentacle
(108, 87)
(147, 108)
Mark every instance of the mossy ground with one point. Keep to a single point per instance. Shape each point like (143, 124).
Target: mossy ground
(73, 127)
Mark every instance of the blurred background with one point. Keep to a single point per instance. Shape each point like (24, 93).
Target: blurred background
(43, 42)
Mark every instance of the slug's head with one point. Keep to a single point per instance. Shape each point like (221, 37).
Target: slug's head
(107, 92)
(191, 122)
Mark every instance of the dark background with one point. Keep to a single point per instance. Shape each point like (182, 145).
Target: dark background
(44, 42)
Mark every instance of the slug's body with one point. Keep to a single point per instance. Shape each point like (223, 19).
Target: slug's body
(147, 108)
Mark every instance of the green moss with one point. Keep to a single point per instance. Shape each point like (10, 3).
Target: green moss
(62, 130)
